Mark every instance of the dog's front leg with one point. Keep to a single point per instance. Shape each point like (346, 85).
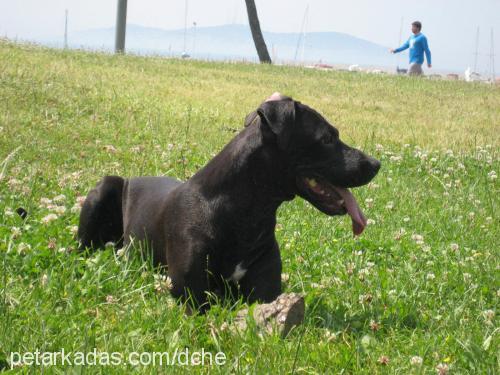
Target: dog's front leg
(188, 272)
(262, 281)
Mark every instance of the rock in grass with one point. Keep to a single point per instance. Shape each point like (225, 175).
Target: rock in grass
(281, 315)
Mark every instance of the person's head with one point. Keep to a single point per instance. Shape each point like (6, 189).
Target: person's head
(416, 27)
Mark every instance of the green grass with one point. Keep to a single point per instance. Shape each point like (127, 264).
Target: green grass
(421, 281)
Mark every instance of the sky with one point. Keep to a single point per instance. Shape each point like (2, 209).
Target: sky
(450, 25)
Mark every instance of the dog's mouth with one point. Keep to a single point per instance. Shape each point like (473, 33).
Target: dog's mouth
(332, 200)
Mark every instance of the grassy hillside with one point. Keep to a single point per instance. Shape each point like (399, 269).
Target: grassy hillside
(422, 281)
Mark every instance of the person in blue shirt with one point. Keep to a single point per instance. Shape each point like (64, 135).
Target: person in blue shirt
(417, 43)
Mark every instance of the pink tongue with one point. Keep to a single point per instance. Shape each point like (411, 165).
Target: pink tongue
(357, 217)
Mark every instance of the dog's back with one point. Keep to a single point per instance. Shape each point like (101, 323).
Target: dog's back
(118, 206)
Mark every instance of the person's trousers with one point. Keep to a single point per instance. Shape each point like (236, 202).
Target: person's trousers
(415, 69)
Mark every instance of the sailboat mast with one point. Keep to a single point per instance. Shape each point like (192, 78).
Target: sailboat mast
(492, 57)
(185, 23)
(301, 35)
(477, 50)
(305, 33)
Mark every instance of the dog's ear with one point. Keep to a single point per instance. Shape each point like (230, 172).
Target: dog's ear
(251, 117)
(279, 116)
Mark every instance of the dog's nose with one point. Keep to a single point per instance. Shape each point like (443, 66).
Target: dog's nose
(375, 164)
(371, 165)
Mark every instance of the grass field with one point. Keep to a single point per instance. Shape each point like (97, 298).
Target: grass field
(416, 293)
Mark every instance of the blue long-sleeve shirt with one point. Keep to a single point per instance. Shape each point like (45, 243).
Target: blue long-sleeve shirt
(418, 45)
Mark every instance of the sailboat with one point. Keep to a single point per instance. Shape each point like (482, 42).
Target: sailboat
(398, 69)
(184, 54)
(301, 42)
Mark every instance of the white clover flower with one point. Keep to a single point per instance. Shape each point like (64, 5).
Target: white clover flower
(162, 283)
(383, 360)
(406, 219)
(16, 232)
(285, 277)
(330, 336)
(110, 148)
(400, 234)
(418, 238)
(416, 360)
(45, 201)
(442, 369)
(454, 247)
(59, 210)
(317, 286)
(489, 315)
(59, 198)
(492, 175)
(50, 217)
(23, 247)
(389, 205)
(370, 222)
(13, 182)
(120, 252)
(374, 325)
(430, 276)
(8, 212)
(364, 271)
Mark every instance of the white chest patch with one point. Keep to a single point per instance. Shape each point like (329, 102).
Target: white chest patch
(238, 273)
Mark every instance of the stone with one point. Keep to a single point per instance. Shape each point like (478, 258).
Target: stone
(281, 315)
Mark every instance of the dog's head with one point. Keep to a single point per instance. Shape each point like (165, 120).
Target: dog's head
(321, 166)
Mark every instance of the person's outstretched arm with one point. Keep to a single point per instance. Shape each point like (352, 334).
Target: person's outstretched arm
(427, 53)
(402, 48)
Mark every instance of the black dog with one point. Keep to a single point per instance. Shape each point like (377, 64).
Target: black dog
(218, 227)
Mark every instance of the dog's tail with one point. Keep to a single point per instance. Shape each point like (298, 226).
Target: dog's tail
(101, 218)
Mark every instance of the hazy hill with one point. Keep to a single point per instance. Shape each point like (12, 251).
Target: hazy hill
(235, 42)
